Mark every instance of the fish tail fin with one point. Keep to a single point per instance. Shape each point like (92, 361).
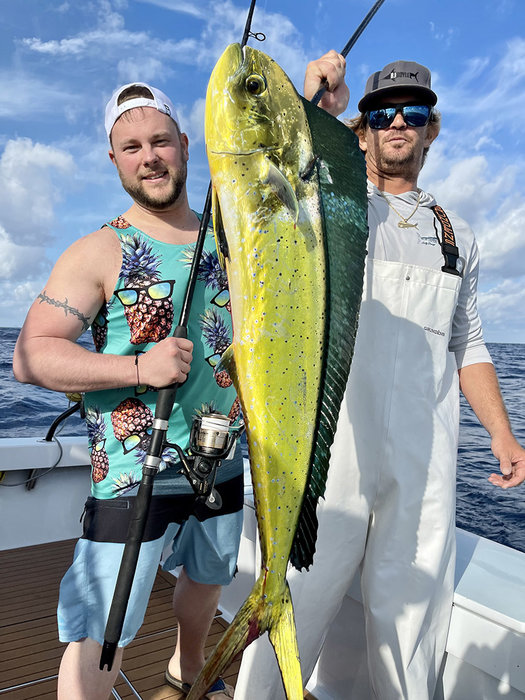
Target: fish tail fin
(246, 626)
(249, 623)
(283, 638)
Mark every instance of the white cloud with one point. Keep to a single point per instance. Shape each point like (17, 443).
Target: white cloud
(30, 175)
(503, 300)
(494, 92)
(109, 41)
(445, 37)
(192, 121)
(31, 97)
(147, 70)
(64, 47)
(140, 55)
(468, 184)
(15, 300)
(501, 310)
(189, 8)
(222, 23)
(16, 261)
(23, 270)
(468, 171)
(87, 44)
(501, 241)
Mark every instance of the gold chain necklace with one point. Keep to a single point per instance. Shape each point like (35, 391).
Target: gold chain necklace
(404, 222)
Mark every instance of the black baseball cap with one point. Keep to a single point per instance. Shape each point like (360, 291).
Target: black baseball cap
(396, 77)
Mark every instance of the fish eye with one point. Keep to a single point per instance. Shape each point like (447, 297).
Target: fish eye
(255, 84)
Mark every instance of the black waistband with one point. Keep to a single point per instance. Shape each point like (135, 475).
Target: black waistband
(108, 520)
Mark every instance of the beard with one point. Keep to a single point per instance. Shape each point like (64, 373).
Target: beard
(405, 162)
(163, 200)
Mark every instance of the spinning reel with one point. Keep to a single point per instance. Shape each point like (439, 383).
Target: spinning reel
(211, 441)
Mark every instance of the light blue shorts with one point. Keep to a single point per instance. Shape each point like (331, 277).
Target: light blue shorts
(207, 550)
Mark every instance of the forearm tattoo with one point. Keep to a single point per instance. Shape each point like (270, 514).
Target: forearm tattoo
(67, 309)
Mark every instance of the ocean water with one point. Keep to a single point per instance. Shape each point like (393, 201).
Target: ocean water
(481, 508)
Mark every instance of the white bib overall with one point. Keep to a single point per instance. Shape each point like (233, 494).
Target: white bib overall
(389, 506)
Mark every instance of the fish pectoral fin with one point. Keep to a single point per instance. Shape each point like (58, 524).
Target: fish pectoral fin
(227, 362)
(317, 166)
(280, 186)
(218, 229)
(310, 168)
(283, 639)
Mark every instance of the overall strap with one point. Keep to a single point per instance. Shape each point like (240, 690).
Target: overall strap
(448, 243)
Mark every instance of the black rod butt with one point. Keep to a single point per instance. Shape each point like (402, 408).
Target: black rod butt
(108, 655)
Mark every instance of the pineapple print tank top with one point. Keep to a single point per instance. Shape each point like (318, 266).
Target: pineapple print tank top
(144, 309)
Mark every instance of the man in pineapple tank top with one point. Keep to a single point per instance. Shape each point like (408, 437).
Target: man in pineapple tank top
(126, 281)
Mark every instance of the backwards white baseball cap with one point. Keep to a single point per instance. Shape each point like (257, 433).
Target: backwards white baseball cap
(158, 100)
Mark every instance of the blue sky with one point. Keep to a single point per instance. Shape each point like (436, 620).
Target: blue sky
(60, 62)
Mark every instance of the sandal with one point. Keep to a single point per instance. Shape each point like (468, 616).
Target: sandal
(218, 687)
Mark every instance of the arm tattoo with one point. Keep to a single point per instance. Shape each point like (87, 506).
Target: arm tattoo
(67, 309)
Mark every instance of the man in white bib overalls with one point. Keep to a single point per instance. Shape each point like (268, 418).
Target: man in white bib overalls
(389, 507)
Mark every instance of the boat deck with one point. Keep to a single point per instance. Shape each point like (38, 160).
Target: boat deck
(30, 652)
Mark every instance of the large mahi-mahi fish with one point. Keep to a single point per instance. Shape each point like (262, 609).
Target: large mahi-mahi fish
(289, 209)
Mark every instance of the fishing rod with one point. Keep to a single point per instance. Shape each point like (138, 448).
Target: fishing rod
(165, 400)
(349, 44)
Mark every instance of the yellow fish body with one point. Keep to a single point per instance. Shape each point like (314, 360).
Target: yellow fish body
(269, 217)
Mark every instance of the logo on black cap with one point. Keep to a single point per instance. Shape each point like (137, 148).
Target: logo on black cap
(394, 75)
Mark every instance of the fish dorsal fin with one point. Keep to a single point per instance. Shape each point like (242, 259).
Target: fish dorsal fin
(340, 172)
(278, 183)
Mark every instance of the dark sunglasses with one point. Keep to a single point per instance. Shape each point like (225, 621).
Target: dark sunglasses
(413, 115)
